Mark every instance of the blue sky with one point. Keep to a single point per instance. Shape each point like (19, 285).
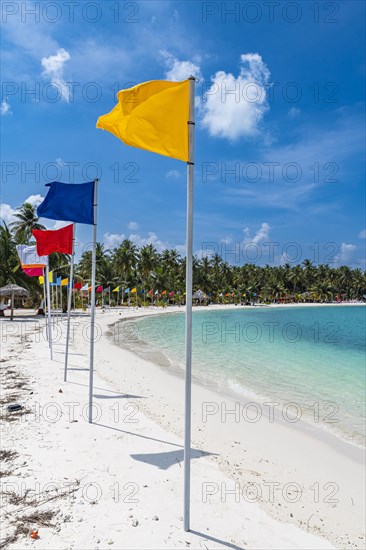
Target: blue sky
(280, 142)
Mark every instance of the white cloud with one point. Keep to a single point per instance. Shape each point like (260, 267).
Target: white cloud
(54, 70)
(294, 112)
(35, 200)
(347, 253)
(112, 240)
(133, 226)
(7, 213)
(227, 240)
(5, 108)
(179, 70)
(173, 175)
(34, 36)
(285, 258)
(204, 253)
(260, 236)
(233, 107)
(181, 248)
(362, 234)
(151, 238)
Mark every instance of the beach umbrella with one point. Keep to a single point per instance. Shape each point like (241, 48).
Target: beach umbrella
(13, 290)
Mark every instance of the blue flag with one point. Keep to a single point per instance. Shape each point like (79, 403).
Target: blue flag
(71, 202)
(58, 281)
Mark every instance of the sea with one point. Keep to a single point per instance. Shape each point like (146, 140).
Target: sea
(305, 363)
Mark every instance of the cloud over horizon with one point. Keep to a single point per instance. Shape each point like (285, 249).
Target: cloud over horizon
(233, 107)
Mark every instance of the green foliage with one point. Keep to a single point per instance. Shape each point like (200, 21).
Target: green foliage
(146, 269)
(26, 220)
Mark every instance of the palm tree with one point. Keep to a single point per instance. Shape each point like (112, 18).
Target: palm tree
(216, 263)
(309, 272)
(10, 270)
(147, 261)
(296, 278)
(84, 267)
(321, 292)
(125, 259)
(171, 261)
(26, 220)
(203, 278)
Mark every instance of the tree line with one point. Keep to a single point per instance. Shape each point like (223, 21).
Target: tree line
(147, 269)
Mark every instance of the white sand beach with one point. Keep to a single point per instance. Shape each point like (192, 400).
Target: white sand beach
(118, 483)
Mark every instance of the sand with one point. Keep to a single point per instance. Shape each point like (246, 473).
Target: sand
(118, 482)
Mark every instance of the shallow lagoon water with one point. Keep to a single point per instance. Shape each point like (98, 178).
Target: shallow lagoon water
(311, 357)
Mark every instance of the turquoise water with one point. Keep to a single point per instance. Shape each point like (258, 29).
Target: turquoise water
(312, 356)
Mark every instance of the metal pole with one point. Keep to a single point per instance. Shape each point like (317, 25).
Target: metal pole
(12, 307)
(49, 310)
(44, 301)
(92, 314)
(53, 306)
(188, 339)
(69, 298)
(56, 294)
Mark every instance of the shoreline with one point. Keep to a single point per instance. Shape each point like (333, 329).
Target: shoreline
(239, 457)
(245, 395)
(327, 444)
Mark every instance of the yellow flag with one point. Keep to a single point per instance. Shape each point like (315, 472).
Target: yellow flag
(40, 279)
(133, 290)
(153, 116)
(64, 282)
(116, 289)
(50, 277)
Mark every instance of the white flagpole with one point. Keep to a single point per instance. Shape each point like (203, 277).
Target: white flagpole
(69, 298)
(56, 294)
(188, 339)
(61, 300)
(45, 301)
(49, 310)
(53, 307)
(92, 313)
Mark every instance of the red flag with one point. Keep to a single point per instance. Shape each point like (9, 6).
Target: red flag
(99, 289)
(33, 271)
(77, 286)
(59, 240)
(151, 292)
